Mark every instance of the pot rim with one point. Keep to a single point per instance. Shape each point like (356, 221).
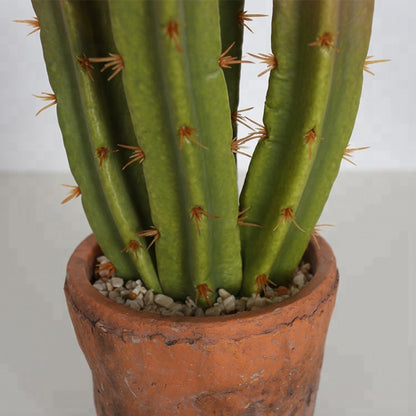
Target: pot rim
(119, 318)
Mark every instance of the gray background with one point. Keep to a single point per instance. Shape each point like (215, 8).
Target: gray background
(369, 367)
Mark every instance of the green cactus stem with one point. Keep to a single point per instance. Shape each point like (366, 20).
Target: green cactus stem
(232, 31)
(94, 118)
(178, 101)
(310, 110)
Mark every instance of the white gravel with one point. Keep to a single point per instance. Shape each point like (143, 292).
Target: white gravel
(132, 293)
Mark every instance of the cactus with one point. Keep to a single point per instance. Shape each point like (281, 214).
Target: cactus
(147, 96)
(309, 114)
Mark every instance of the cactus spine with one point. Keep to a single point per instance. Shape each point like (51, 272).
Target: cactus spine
(169, 101)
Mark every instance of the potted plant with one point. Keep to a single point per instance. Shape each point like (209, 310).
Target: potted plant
(147, 99)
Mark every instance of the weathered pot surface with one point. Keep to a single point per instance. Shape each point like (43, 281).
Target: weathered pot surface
(264, 362)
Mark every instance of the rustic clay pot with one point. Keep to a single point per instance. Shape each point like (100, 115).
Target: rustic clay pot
(265, 362)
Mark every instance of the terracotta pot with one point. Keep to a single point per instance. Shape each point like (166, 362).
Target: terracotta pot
(265, 362)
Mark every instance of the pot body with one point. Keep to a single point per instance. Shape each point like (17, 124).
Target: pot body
(265, 362)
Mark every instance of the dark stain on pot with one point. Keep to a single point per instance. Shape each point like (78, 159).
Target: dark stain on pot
(104, 410)
(77, 309)
(294, 412)
(101, 409)
(207, 396)
(114, 406)
(254, 409)
(116, 412)
(251, 411)
(309, 396)
(103, 344)
(136, 338)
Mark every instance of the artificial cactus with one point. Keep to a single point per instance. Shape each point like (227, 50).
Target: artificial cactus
(150, 140)
(310, 110)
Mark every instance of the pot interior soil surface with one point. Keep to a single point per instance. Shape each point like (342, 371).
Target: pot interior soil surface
(134, 294)
(262, 362)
